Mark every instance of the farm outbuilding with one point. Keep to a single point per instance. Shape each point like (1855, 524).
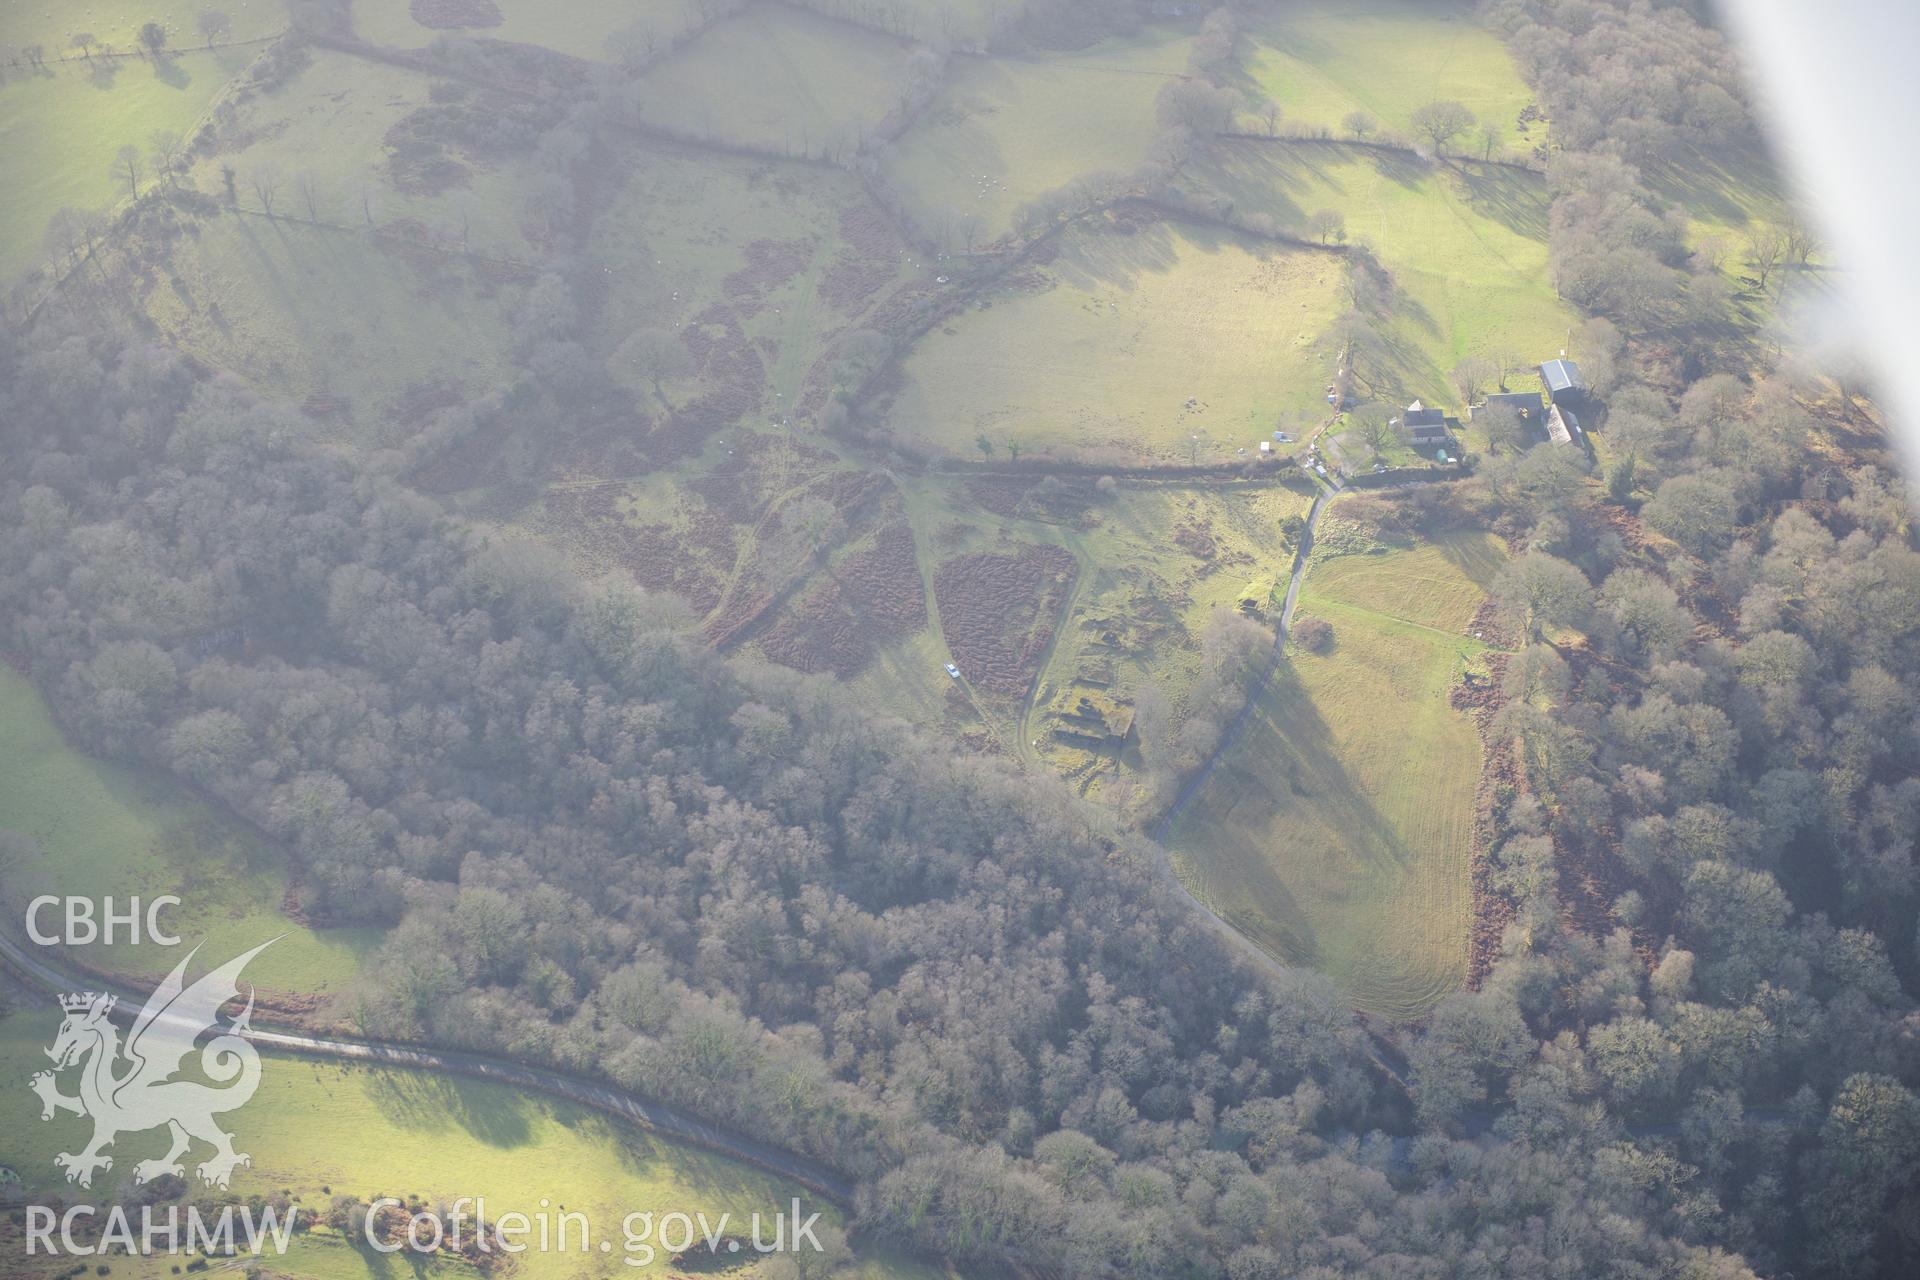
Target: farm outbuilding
(1562, 426)
(1526, 404)
(1563, 382)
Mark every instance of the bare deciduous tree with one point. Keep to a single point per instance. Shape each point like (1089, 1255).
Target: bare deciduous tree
(167, 154)
(1489, 139)
(1359, 124)
(307, 183)
(214, 25)
(1802, 241)
(1441, 122)
(126, 167)
(1472, 376)
(265, 179)
(1766, 250)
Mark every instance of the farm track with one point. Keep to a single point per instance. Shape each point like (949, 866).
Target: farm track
(1023, 722)
(1194, 784)
(655, 1117)
(924, 561)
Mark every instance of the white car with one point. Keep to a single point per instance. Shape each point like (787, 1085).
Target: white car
(953, 671)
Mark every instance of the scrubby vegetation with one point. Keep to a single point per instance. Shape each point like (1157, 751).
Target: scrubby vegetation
(533, 530)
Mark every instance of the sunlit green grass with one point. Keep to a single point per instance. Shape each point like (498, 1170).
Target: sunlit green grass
(1105, 353)
(1337, 832)
(98, 829)
(1128, 329)
(1465, 245)
(1321, 60)
(60, 132)
(117, 23)
(371, 1132)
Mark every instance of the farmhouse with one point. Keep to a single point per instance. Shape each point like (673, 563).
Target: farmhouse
(1427, 426)
(1562, 380)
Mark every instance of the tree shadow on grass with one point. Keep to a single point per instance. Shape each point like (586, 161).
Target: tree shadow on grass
(1708, 183)
(420, 1100)
(267, 268)
(1115, 260)
(170, 71)
(1477, 558)
(1514, 198)
(1285, 771)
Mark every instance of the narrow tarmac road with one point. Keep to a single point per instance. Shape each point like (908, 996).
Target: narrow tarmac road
(655, 1117)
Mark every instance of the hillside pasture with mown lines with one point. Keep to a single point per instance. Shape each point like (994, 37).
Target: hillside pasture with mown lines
(1337, 832)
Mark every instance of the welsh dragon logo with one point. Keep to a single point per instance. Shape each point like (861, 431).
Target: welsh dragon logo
(131, 1087)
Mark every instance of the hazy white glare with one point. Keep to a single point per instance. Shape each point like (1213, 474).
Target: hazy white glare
(1835, 84)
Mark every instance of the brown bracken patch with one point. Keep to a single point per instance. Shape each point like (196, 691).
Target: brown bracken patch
(998, 613)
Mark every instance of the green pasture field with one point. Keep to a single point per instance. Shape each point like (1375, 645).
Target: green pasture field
(117, 23)
(302, 311)
(1725, 192)
(61, 130)
(681, 222)
(1465, 244)
(581, 33)
(1326, 58)
(368, 1132)
(1128, 346)
(778, 79)
(1337, 832)
(1005, 130)
(99, 829)
(334, 121)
